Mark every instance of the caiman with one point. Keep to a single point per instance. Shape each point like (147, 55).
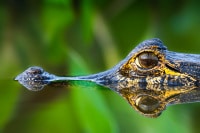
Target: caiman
(149, 78)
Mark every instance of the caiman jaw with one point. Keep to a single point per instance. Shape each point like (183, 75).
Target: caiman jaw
(149, 78)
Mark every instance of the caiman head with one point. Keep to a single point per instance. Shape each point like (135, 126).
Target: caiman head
(149, 78)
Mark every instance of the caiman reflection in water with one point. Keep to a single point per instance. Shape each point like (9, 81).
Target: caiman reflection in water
(149, 78)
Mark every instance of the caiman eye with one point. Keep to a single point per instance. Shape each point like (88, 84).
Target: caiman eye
(147, 104)
(147, 60)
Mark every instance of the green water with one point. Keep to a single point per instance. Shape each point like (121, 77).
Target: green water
(68, 37)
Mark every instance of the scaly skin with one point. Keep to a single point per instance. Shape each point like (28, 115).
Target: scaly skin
(173, 80)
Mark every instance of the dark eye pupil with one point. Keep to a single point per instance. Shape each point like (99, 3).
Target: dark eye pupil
(148, 60)
(148, 104)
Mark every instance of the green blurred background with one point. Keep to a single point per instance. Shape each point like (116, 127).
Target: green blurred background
(79, 37)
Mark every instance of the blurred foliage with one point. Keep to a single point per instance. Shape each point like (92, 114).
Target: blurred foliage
(73, 37)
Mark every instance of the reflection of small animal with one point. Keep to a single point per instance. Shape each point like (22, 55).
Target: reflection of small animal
(149, 78)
